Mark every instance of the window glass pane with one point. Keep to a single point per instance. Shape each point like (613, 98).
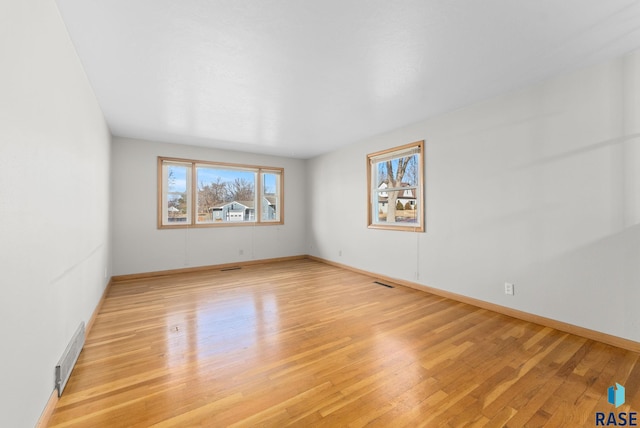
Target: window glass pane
(225, 195)
(176, 196)
(396, 206)
(270, 197)
(398, 171)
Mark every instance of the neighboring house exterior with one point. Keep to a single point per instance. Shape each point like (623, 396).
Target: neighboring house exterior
(234, 211)
(269, 204)
(244, 210)
(406, 195)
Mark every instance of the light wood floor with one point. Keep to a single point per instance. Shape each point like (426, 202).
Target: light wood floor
(305, 344)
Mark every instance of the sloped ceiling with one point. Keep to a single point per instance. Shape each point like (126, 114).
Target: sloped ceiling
(299, 77)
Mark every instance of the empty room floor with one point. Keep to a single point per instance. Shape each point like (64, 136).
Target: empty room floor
(302, 343)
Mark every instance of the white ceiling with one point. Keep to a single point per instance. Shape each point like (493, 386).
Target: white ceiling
(303, 77)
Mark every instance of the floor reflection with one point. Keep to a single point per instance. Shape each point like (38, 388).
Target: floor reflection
(245, 322)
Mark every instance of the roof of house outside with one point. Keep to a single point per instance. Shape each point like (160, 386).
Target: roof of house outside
(246, 204)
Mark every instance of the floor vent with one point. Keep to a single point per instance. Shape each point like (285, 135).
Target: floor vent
(383, 284)
(230, 268)
(69, 358)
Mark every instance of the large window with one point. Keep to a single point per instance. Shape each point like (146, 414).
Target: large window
(200, 193)
(395, 188)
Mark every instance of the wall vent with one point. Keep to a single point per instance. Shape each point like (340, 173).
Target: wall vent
(230, 268)
(69, 358)
(383, 284)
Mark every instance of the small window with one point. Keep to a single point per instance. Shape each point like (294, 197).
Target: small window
(395, 185)
(270, 196)
(204, 194)
(176, 197)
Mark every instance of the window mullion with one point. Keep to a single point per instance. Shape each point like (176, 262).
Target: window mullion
(259, 195)
(193, 188)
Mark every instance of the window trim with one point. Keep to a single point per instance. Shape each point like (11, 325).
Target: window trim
(192, 189)
(392, 153)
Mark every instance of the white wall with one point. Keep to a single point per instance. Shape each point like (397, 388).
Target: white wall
(139, 246)
(540, 187)
(54, 203)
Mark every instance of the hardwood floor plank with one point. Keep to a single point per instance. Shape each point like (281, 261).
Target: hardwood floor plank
(302, 343)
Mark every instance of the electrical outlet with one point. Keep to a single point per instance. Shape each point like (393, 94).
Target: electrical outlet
(340, 253)
(241, 252)
(508, 288)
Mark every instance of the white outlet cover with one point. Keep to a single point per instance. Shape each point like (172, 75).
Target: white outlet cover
(508, 288)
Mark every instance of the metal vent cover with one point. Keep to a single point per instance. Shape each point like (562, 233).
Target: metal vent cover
(383, 284)
(69, 358)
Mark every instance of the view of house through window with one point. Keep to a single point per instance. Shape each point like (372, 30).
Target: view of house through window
(205, 194)
(395, 188)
